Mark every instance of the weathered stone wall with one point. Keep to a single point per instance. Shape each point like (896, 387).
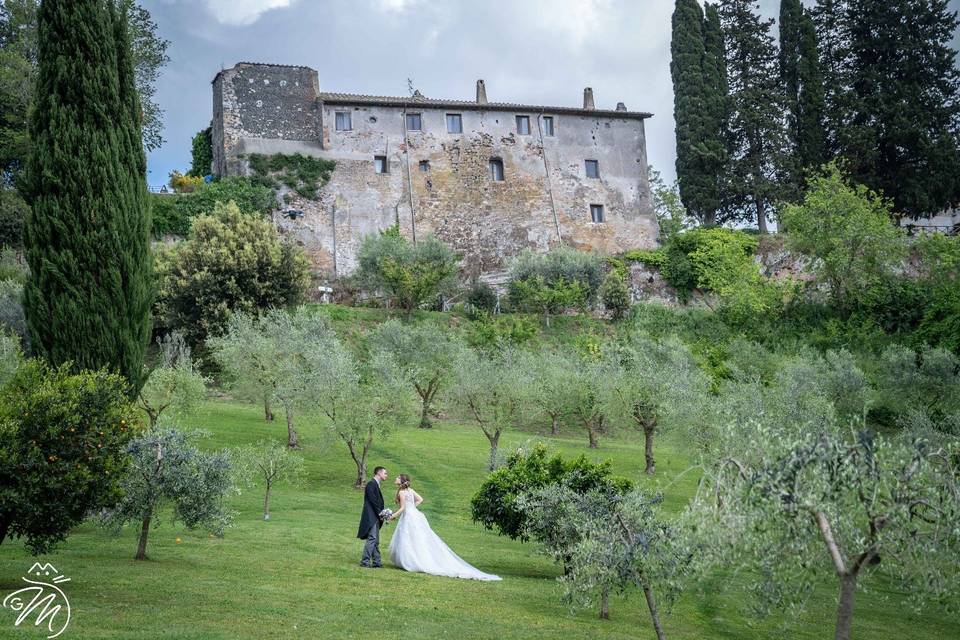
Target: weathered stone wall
(545, 196)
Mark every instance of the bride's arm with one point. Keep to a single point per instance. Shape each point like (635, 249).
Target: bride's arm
(403, 500)
(417, 499)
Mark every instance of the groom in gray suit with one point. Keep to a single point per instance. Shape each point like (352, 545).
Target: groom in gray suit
(370, 520)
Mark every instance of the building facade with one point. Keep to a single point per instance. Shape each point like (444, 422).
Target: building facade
(488, 178)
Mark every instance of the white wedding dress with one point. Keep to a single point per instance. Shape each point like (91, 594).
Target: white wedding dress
(415, 547)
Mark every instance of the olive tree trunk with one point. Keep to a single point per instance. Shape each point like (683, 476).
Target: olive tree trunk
(142, 543)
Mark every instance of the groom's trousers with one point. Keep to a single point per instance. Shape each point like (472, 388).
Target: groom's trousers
(371, 548)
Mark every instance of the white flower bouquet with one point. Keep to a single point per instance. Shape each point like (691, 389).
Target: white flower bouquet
(386, 514)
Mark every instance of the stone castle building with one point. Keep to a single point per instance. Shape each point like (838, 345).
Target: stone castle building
(488, 178)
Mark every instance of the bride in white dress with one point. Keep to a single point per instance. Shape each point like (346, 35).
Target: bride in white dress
(415, 547)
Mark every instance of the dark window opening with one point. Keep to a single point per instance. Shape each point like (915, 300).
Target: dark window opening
(596, 212)
(454, 123)
(496, 169)
(548, 125)
(343, 121)
(413, 122)
(380, 164)
(424, 166)
(523, 125)
(593, 168)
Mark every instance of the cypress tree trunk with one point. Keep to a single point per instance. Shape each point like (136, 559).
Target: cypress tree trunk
(86, 238)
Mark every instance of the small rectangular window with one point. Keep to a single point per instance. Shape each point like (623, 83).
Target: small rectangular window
(424, 166)
(454, 123)
(523, 125)
(380, 164)
(343, 121)
(413, 122)
(596, 212)
(496, 169)
(548, 125)
(593, 168)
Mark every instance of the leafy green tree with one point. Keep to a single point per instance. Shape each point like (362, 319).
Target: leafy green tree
(535, 294)
(659, 380)
(275, 358)
(362, 403)
(496, 504)
(62, 439)
(841, 502)
(561, 278)
(847, 233)
(409, 274)
(492, 391)
(231, 262)
(672, 216)
(612, 543)
(551, 375)
(902, 137)
(167, 469)
(269, 463)
(87, 237)
(755, 112)
(174, 386)
(201, 161)
(424, 355)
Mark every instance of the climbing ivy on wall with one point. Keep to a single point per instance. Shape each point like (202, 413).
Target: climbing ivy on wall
(302, 174)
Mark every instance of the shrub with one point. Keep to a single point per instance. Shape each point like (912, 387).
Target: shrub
(846, 231)
(615, 295)
(231, 262)
(409, 274)
(561, 265)
(709, 259)
(495, 504)
(490, 333)
(481, 297)
(184, 183)
(173, 214)
(62, 437)
(940, 324)
(535, 294)
(13, 210)
(650, 257)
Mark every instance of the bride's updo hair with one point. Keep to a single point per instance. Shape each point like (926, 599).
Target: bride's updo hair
(404, 484)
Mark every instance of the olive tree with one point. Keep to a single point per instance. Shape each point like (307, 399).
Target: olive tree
(361, 402)
(274, 358)
(175, 385)
(551, 375)
(425, 356)
(269, 463)
(492, 390)
(799, 503)
(655, 386)
(609, 542)
(588, 393)
(923, 388)
(167, 469)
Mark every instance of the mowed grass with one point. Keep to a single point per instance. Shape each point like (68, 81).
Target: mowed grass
(297, 576)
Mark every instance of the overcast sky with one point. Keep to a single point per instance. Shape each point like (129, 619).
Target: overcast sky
(528, 51)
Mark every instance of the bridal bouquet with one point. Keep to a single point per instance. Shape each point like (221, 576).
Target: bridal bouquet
(386, 514)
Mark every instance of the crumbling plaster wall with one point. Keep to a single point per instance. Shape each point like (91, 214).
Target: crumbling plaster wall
(487, 221)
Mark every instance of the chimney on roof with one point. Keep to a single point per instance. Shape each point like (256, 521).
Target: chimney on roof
(588, 98)
(481, 92)
(621, 106)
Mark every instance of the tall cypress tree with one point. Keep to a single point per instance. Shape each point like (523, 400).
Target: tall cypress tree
(714, 149)
(811, 151)
(830, 18)
(756, 111)
(686, 70)
(904, 129)
(87, 238)
(802, 84)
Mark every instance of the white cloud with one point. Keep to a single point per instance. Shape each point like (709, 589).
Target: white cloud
(242, 12)
(396, 6)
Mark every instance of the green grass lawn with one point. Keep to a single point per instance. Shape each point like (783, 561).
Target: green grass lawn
(297, 576)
